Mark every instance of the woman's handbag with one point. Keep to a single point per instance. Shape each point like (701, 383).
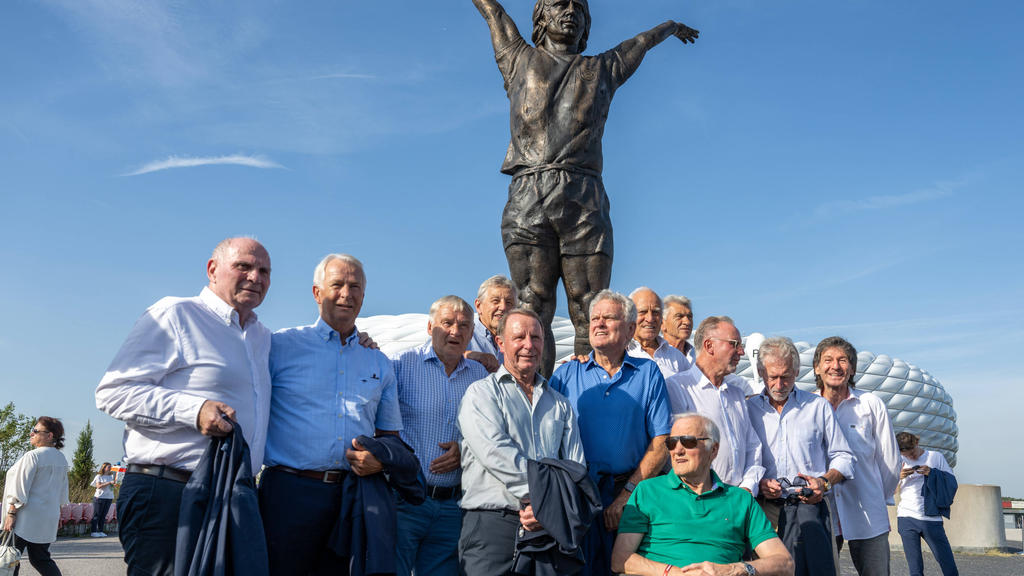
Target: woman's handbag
(9, 555)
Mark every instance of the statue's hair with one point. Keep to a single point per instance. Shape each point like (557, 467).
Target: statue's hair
(539, 23)
(628, 308)
(497, 281)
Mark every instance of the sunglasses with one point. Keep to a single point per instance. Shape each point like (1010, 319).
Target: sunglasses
(35, 431)
(688, 442)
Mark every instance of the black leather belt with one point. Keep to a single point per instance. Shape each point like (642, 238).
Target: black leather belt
(325, 476)
(443, 492)
(160, 471)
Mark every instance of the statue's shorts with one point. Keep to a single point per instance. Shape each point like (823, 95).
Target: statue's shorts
(558, 208)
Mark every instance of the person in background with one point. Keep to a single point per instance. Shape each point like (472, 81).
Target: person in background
(647, 341)
(678, 324)
(496, 296)
(923, 468)
(35, 489)
(101, 500)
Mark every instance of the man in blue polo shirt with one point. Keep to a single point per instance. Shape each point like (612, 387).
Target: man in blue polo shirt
(432, 379)
(624, 417)
(690, 522)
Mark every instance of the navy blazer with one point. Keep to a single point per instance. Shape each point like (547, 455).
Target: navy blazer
(220, 531)
(565, 501)
(939, 490)
(366, 527)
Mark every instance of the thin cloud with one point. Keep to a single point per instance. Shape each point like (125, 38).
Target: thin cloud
(189, 162)
(872, 203)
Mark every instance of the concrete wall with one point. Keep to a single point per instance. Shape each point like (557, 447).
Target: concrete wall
(975, 523)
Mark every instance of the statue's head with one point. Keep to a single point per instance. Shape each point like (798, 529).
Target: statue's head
(566, 18)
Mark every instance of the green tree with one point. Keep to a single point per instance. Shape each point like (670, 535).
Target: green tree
(14, 432)
(82, 465)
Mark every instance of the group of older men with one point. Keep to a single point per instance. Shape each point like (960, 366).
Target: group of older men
(472, 405)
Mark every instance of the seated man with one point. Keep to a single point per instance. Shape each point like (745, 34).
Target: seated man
(690, 522)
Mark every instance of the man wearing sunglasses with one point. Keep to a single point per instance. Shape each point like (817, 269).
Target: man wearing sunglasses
(690, 522)
(804, 454)
(710, 387)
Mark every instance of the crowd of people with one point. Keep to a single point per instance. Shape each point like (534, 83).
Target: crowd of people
(648, 456)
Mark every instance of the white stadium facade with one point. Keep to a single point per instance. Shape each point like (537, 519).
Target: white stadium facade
(917, 402)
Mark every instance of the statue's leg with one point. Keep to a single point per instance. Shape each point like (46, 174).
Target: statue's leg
(535, 271)
(583, 277)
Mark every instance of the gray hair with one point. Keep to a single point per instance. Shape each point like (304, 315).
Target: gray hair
(321, 268)
(710, 323)
(497, 281)
(677, 300)
(779, 348)
(220, 251)
(709, 426)
(634, 293)
(450, 301)
(628, 308)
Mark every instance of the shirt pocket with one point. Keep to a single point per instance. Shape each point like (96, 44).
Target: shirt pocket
(861, 437)
(362, 395)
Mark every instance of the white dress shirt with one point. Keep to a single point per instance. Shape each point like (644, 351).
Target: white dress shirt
(739, 452)
(668, 358)
(802, 439)
(182, 352)
(501, 430)
(37, 485)
(861, 502)
(912, 487)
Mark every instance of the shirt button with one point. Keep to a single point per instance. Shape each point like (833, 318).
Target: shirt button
(340, 438)
(341, 371)
(607, 393)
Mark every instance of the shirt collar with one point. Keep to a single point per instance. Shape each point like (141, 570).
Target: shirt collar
(505, 377)
(324, 330)
(676, 483)
(627, 360)
(430, 355)
(220, 308)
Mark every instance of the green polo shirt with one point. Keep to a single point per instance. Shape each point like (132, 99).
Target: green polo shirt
(681, 527)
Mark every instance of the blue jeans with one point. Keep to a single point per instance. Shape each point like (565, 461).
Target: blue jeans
(100, 507)
(911, 531)
(428, 537)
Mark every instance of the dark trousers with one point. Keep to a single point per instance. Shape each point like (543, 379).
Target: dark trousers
(147, 509)
(298, 517)
(100, 507)
(38, 557)
(870, 556)
(487, 543)
(912, 531)
(806, 531)
(598, 543)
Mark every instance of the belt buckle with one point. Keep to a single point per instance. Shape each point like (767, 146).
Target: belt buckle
(327, 477)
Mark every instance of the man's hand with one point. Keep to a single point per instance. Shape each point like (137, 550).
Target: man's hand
(924, 470)
(361, 460)
(490, 361)
(711, 569)
(817, 486)
(449, 461)
(613, 513)
(215, 418)
(366, 342)
(686, 34)
(770, 488)
(527, 519)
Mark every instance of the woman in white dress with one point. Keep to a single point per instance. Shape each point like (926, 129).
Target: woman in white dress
(37, 486)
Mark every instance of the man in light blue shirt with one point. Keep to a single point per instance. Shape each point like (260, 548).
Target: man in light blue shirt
(801, 445)
(506, 419)
(432, 379)
(624, 417)
(327, 390)
(496, 296)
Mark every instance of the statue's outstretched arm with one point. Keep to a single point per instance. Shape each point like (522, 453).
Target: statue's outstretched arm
(503, 28)
(632, 51)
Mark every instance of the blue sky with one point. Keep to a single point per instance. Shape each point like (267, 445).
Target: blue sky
(809, 168)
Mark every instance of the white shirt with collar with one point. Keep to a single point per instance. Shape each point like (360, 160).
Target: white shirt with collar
(802, 439)
(668, 358)
(739, 452)
(182, 352)
(861, 502)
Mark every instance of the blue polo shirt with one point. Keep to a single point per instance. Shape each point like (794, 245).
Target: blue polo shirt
(620, 414)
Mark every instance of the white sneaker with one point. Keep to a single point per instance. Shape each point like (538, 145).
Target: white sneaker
(97, 535)
(102, 534)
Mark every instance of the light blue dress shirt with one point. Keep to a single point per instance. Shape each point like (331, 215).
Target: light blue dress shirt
(483, 341)
(325, 392)
(429, 399)
(620, 414)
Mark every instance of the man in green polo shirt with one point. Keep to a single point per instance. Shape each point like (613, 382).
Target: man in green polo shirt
(690, 522)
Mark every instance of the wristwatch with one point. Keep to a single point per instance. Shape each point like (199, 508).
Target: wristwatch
(750, 569)
(828, 485)
(629, 487)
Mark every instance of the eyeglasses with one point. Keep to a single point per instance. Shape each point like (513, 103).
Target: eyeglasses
(688, 442)
(34, 431)
(734, 343)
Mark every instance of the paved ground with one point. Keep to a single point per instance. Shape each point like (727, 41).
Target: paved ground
(102, 557)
